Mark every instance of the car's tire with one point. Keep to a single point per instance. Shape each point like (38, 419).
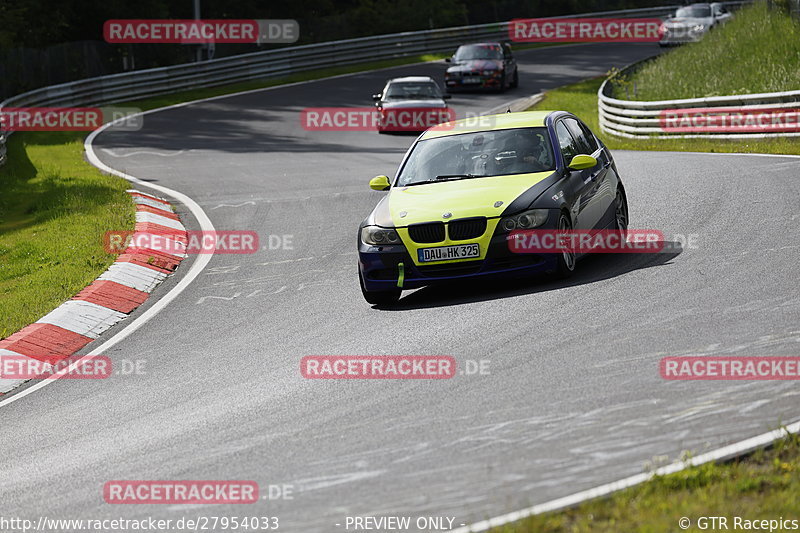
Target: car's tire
(515, 80)
(566, 259)
(621, 212)
(378, 297)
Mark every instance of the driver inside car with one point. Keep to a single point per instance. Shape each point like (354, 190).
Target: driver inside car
(522, 152)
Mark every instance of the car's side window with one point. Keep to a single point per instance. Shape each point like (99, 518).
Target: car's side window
(566, 143)
(586, 143)
(593, 142)
(506, 51)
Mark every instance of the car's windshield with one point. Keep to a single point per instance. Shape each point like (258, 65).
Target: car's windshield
(406, 90)
(693, 12)
(477, 155)
(478, 51)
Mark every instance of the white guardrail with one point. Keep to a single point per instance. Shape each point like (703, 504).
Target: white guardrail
(129, 86)
(745, 116)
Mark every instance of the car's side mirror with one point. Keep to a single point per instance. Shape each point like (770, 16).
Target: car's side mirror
(377, 96)
(379, 183)
(582, 162)
(447, 96)
(448, 59)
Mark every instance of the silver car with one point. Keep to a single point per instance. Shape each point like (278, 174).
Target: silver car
(417, 96)
(690, 23)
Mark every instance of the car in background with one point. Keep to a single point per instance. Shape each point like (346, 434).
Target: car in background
(721, 13)
(691, 23)
(482, 66)
(411, 104)
(461, 191)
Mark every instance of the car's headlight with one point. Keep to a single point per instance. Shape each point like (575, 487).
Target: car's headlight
(489, 72)
(698, 27)
(378, 236)
(533, 218)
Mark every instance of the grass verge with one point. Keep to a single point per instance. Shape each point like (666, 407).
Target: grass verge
(581, 99)
(756, 51)
(54, 208)
(762, 486)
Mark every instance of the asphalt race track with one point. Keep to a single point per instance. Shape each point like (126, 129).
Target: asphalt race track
(573, 398)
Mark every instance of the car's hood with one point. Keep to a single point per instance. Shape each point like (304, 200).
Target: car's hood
(403, 104)
(476, 64)
(462, 198)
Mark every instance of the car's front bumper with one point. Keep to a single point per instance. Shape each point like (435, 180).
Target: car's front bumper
(484, 81)
(381, 271)
(676, 36)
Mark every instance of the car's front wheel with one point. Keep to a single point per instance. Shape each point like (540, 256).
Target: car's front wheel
(621, 212)
(378, 297)
(567, 259)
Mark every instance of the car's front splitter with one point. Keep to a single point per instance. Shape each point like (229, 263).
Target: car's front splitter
(391, 267)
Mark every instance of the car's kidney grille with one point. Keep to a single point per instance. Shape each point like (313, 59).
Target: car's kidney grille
(467, 228)
(426, 233)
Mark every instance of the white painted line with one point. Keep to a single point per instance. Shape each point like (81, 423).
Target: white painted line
(747, 154)
(151, 203)
(132, 275)
(152, 218)
(81, 317)
(720, 454)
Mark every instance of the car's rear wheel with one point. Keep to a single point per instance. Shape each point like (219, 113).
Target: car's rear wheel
(515, 80)
(621, 212)
(378, 297)
(567, 259)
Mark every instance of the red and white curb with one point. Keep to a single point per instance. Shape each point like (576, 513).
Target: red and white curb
(110, 298)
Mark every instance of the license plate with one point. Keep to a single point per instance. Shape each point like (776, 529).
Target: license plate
(471, 80)
(449, 253)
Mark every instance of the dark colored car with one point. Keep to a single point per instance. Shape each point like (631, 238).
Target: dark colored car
(462, 192)
(482, 66)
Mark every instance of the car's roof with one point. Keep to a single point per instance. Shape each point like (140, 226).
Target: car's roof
(502, 121)
(482, 43)
(412, 79)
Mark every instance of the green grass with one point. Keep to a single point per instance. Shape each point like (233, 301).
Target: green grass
(757, 51)
(763, 485)
(581, 99)
(54, 209)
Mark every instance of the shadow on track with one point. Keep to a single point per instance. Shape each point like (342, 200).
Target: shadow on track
(594, 268)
